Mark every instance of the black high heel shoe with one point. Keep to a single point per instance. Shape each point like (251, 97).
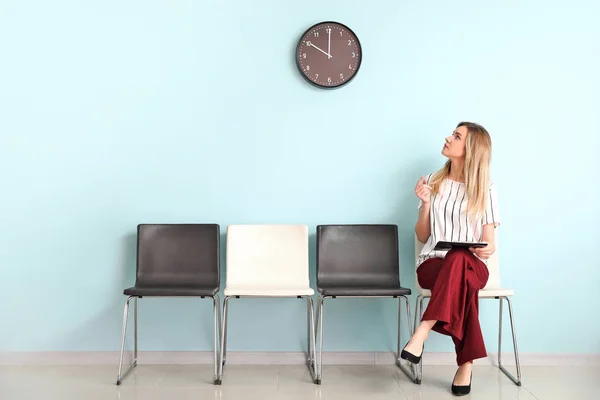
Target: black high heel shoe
(410, 357)
(461, 390)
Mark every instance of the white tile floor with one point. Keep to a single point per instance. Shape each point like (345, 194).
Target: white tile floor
(181, 382)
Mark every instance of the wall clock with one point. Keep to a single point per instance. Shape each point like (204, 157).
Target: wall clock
(328, 55)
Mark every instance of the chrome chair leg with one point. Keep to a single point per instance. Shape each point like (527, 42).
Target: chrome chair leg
(224, 333)
(217, 329)
(500, 299)
(124, 331)
(413, 373)
(120, 375)
(311, 346)
(311, 355)
(517, 380)
(223, 353)
(309, 325)
(135, 332)
(319, 328)
(420, 300)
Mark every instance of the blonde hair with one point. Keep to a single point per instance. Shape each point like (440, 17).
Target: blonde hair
(476, 172)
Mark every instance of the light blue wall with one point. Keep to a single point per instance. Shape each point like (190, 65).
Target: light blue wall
(116, 113)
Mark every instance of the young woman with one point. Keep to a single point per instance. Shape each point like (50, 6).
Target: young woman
(457, 203)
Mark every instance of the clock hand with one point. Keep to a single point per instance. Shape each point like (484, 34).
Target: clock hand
(327, 54)
(329, 44)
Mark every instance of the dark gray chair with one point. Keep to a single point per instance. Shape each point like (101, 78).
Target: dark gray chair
(175, 260)
(359, 261)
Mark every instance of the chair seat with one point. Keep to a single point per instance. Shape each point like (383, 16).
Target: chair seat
(484, 293)
(364, 292)
(267, 291)
(170, 291)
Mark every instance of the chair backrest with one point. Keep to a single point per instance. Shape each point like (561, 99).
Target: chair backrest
(178, 255)
(267, 255)
(357, 256)
(492, 264)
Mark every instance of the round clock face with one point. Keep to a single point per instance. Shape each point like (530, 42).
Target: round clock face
(328, 55)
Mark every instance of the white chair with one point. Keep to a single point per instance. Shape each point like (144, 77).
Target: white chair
(492, 290)
(268, 261)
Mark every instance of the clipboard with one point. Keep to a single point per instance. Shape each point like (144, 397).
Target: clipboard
(444, 246)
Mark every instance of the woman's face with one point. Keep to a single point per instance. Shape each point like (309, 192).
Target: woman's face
(454, 148)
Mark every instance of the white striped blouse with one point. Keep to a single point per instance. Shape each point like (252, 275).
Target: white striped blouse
(449, 220)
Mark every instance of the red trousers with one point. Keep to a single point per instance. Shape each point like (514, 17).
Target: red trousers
(455, 282)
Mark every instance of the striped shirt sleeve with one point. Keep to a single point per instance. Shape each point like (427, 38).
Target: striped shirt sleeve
(492, 213)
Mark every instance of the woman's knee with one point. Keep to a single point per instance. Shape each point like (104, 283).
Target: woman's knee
(457, 254)
(428, 272)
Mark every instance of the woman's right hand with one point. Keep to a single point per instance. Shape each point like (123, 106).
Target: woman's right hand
(423, 190)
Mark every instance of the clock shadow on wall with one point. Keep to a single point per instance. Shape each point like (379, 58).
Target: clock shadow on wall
(328, 55)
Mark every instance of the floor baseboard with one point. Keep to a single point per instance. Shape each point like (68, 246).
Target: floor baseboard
(281, 358)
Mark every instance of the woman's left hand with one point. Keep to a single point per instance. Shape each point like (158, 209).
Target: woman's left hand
(483, 252)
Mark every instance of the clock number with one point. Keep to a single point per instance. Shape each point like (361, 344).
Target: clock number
(353, 55)
(316, 76)
(350, 66)
(308, 67)
(341, 76)
(329, 80)
(308, 43)
(328, 30)
(349, 42)
(316, 34)
(303, 55)
(341, 34)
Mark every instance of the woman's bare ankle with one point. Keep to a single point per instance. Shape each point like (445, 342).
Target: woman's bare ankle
(417, 341)
(466, 367)
(463, 375)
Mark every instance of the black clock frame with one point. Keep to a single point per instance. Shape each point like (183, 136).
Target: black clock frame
(328, 87)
